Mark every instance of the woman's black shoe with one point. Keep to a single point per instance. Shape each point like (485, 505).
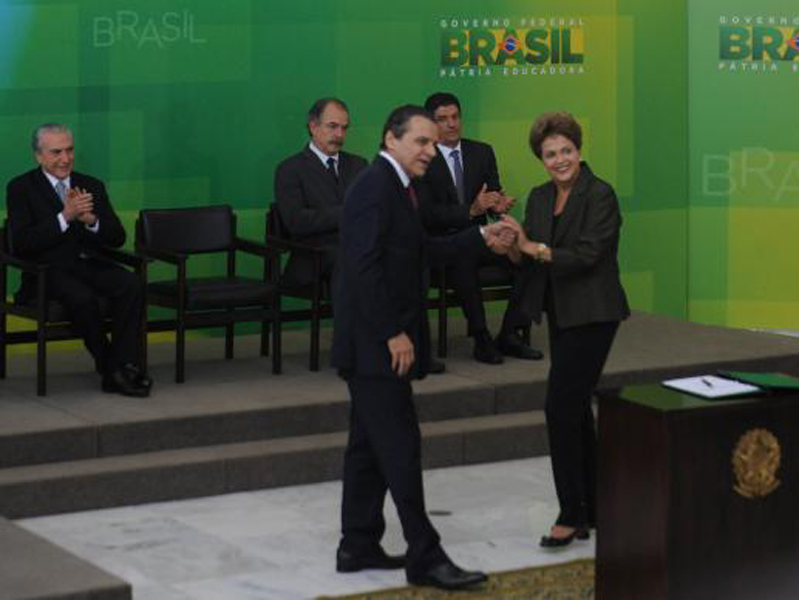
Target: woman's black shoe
(550, 541)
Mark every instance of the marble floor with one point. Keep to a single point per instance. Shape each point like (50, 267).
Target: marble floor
(280, 543)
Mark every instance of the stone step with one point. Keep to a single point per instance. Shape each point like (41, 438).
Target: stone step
(34, 490)
(113, 426)
(34, 568)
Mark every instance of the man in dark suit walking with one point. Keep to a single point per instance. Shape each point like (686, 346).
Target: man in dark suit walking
(460, 189)
(310, 188)
(381, 342)
(60, 217)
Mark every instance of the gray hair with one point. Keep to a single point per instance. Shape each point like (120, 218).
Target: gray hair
(36, 138)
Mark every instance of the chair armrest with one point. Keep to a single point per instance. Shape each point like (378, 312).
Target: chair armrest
(124, 257)
(22, 264)
(292, 246)
(150, 254)
(256, 248)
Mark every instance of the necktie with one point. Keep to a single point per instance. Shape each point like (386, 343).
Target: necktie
(61, 189)
(414, 199)
(331, 166)
(457, 168)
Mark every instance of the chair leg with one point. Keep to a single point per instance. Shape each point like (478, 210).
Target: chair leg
(265, 328)
(143, 359)
(180, 351)
(442, 323)
(316, 331)
(229, 334)
(3, 353)
(277, 363)
(41, 361)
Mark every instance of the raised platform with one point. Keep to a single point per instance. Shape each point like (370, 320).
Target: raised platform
(233, 426)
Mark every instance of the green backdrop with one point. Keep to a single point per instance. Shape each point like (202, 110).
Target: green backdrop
(744, 163)
(179, 103)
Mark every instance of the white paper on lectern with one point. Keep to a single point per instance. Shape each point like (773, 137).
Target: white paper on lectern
(710, 386)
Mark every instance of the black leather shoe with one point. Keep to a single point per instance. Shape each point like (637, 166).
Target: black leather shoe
(350, 563)
(133, 373)
(512, 344)
(550, 541)
(485, 351)
(436, 367)
(118, 382)
(448, 576)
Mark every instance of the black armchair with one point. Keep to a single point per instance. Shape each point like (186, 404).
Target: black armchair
(175, 235)
(318, 293)
(496, 284)
(52, 322)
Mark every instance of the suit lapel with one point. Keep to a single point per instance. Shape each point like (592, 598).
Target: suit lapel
(545, 214)
(574, 205)
(322, 174)
(403, 196)
(47, 191)
(439, 170)
(345, 173)
(471, 170)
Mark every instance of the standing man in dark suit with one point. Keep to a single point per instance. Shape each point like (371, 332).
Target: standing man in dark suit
(60, 217)
(381, 342)
(461, 189)
(310, 188)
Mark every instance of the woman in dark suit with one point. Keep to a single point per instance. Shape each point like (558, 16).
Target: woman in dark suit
(567, 250)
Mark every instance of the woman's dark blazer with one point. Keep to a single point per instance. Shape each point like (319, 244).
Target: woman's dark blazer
(584, 270)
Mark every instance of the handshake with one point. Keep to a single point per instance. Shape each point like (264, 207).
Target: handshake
(508, 237)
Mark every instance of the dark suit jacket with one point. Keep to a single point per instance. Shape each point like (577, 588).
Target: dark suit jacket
(584, 272)
(379, 287)
(441, 210)
(35, 233)
(309, 203)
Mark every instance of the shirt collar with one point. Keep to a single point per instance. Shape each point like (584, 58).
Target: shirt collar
(446, 150)
(54, 180)
(406, 181)
(322, 156)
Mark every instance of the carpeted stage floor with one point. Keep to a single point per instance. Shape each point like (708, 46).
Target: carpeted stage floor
(567, 581)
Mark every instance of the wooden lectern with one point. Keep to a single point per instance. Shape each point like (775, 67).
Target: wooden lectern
(697, 499)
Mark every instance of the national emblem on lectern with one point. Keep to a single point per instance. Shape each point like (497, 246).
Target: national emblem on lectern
(755, 462)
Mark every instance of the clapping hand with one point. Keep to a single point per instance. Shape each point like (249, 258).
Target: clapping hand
(79, 204)
(504, 203)
(485, 200)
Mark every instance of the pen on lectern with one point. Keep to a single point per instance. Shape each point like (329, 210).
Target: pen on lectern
(707, 382)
